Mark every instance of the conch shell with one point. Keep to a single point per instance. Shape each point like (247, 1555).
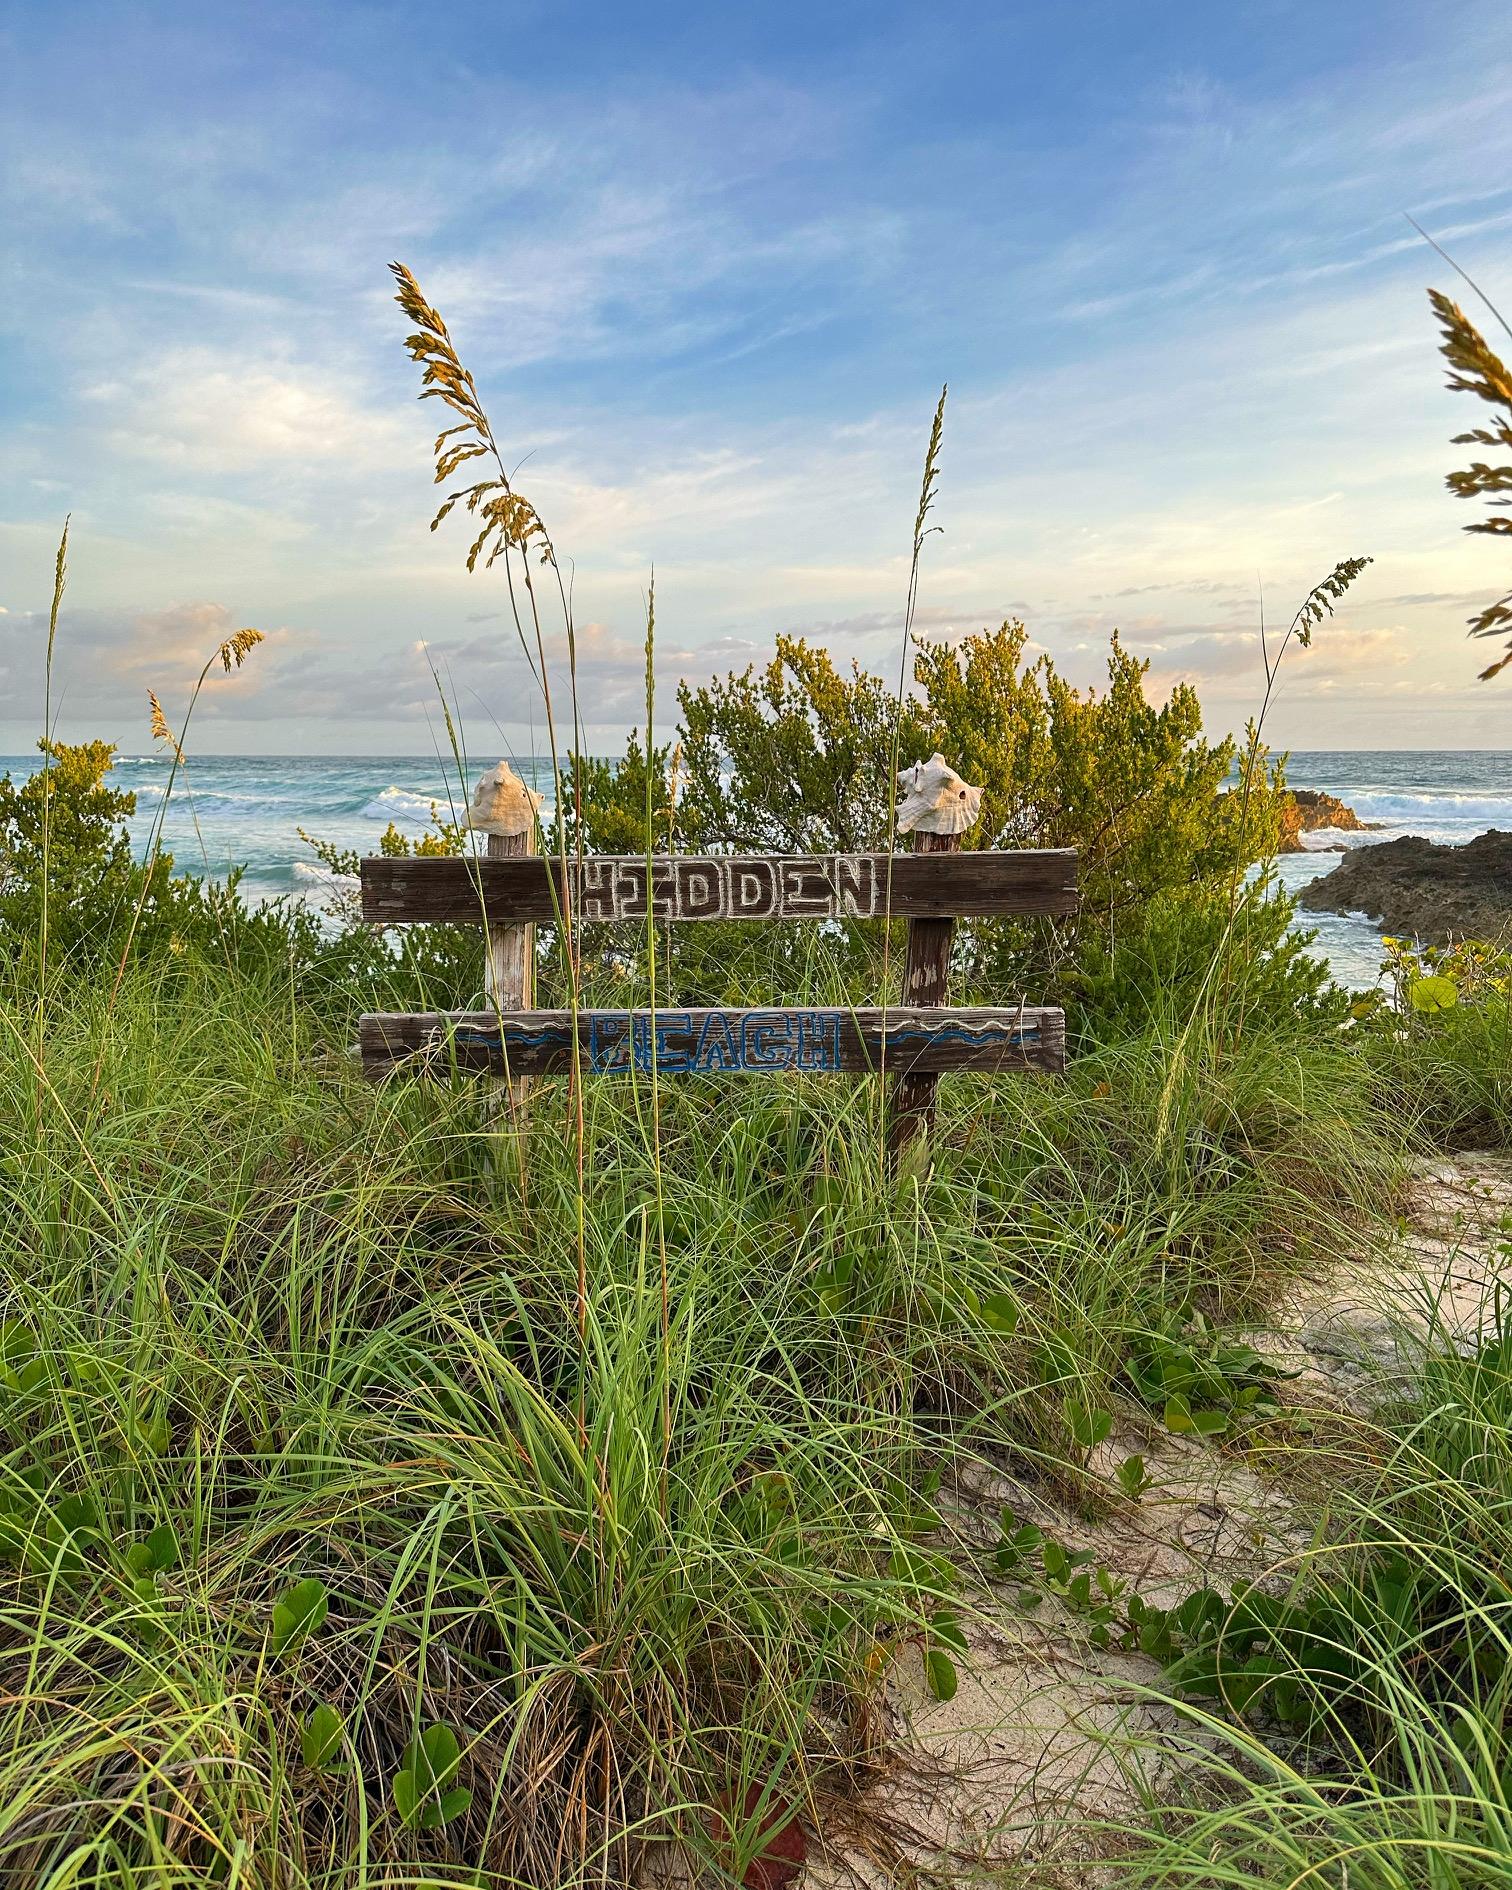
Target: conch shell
(502, 803)
(936, 799)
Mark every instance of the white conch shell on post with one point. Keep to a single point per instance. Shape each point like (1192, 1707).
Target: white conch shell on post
(502, 803)
(936, 799)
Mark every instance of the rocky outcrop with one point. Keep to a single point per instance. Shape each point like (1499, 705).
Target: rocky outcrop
(1305, 810)
(1420, 889)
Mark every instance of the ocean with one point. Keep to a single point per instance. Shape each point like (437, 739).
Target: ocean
(1449, 795)
(246, 810)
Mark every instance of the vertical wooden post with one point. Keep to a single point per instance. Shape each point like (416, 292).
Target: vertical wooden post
(504, 809)
(937, 808)
(926, 978)
(509, 973)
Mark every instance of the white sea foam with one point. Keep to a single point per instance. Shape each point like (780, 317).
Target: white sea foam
(1411, 811)
(397, 803)
(310, 878)
(203, 800)
(1345, 839)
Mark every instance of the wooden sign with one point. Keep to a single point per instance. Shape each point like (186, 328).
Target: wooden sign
(912, 1042)
(740, 886)
(720, 1042)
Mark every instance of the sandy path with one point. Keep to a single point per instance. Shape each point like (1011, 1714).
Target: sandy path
(1045, 1732)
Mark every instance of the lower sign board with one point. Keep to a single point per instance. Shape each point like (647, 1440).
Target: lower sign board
(714, 1042)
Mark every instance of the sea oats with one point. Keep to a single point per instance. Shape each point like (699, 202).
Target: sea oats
(161, 732)
(60, 579)
(1476, 369)
(235, 650)
(1320, 600)
(508, 520)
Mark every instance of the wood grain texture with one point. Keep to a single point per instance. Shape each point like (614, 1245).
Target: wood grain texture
(926, 981)
(509, 957)
(823, 886)
(709, 1042)
(508, 967)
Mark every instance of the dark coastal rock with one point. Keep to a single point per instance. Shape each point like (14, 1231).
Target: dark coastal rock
(1305, 810)
(1420, 889)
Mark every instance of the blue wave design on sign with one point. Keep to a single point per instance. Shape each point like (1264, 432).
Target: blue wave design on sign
(678, 1044)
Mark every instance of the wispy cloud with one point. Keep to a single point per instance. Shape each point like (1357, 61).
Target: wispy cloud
(709, 305)
(218, 412)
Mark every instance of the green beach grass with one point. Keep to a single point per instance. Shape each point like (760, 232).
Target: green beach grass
(395, 1493)
(271, 1326)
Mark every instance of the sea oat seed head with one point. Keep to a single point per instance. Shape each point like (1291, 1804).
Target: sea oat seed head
(1320, 600)
(1477, 369)
(235, 650)
(161, 732)
(508, 521)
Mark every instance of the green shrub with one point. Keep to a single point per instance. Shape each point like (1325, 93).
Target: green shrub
(1441, 1044)
(64, 849)
(1192, 950)
(797, 758)
(69, 875)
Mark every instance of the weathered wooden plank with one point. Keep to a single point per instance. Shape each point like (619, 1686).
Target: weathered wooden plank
(509, 953)
(822, 886)
(926, 980)
(707, 1042)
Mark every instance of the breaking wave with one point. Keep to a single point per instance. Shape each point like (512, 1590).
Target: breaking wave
(397, 803)
(1399, 809)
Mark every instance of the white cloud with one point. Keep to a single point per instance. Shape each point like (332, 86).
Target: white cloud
(220, 413)
(106, 660)
(1250, 391)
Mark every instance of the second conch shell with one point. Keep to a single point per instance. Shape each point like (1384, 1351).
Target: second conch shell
(502, 803)
(935, 799)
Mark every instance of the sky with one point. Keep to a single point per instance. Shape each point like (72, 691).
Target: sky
(710, 266)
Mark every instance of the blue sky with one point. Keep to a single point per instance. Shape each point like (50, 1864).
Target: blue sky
(710, 266)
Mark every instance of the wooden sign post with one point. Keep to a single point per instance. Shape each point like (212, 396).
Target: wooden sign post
(504, 810)
(912, 1042)
(937, 809)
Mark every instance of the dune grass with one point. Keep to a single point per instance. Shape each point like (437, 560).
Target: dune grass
(1356, 1724)
(269, 1326)
(394, 1497)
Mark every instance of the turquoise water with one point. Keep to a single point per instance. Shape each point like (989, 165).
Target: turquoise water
(1446, 795)
(246, 810)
